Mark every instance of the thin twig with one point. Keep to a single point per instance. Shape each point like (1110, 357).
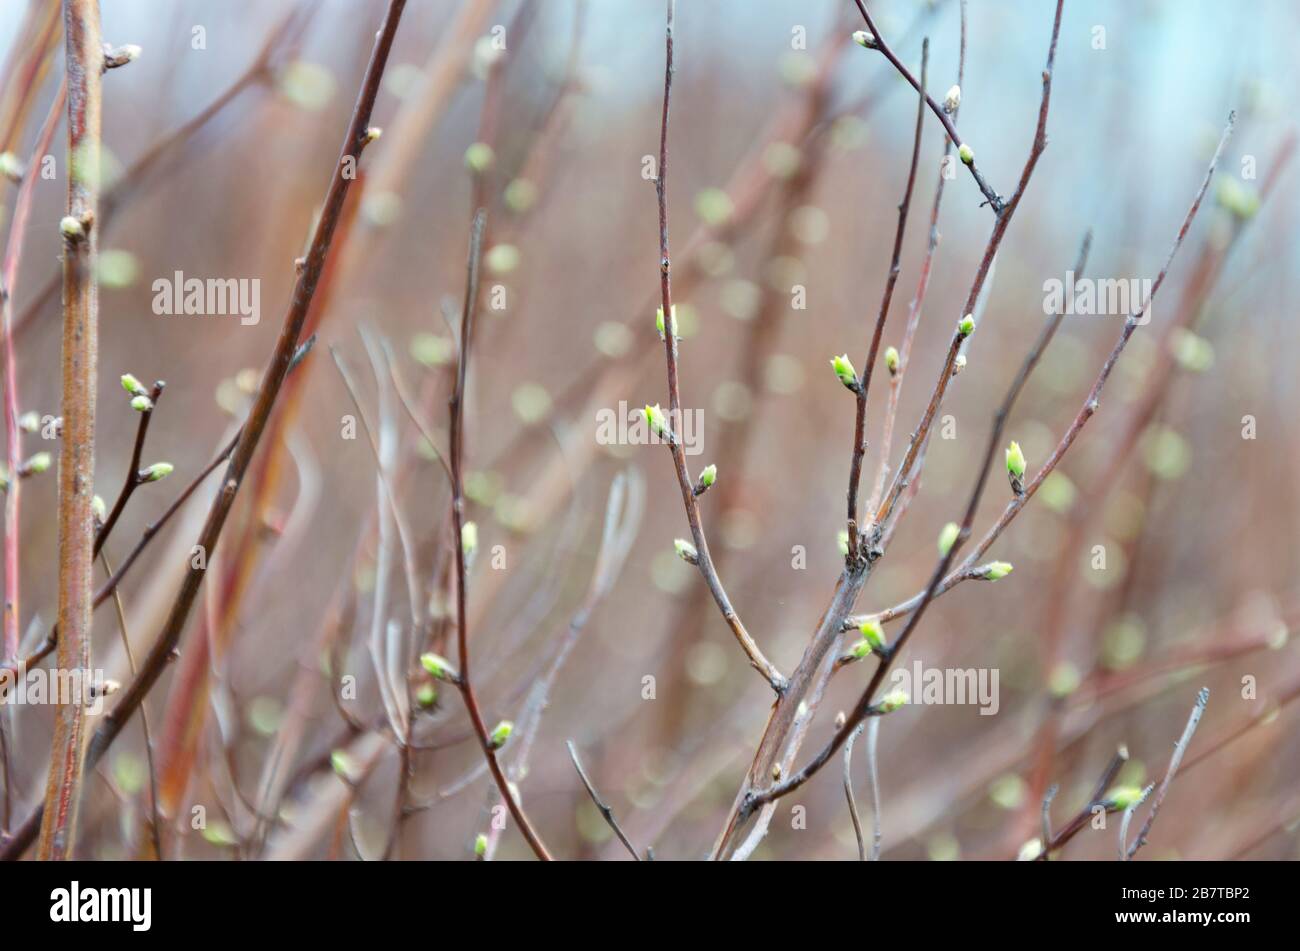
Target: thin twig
(891, 279)
(605, 810)
(456, 451)
(1193, 721)
(687, 485)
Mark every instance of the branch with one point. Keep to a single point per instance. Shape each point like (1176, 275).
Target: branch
(949, 126)
(84, 57)
(605, 810)
(456, 451)
(357, 137)
(864, 385)
(1193, 721)
(689, 499)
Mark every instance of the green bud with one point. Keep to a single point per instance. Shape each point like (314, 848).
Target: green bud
(686, 551)
(861, 649)
(141, 404)
(343, 765)
(500, 733)
(864, 39)
(99, 508)
(997, 570)
(966, 154)
(659, 321)
(893, 700)
(1030, 850)
(1015, 460)
(1237, 198)
(1124, 796)
(438, 666)
(469, 537)
(29, 422)
(948, 536)
(38, 463)
(133, 386)
(1063, 680)
(891, 359)
(873, 632)
(709, 475)
(480, 845)
(11, 167)
(966, 326)
(842, 539)
(71, 227)
(844, 370)
(654, 417)
(479, 157)
(426, 696)
(157, 471)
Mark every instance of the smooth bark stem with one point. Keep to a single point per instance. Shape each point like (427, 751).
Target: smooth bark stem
(77, 453)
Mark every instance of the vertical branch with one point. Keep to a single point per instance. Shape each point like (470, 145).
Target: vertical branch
(864, 385)
(13, 439)
(359, 134)
(703, 559)
(456, 452)
(77, 454)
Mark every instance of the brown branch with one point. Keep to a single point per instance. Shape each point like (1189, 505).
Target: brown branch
(84, 56)
(949, 124)
(355, 139)
(864, 384)
(13, 438)
(456, 452)
(1202, 698)
(687, 485)
(604, 809)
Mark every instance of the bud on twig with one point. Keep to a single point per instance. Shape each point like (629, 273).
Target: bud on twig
(708, 476)
(38, 463)
(866, 40)
(659, 321)
(71, 228)
(480, 845)
(891, 701)
(872, 633)
(952, 100)
(133, 386)
(426, 696)
(654, 417)
(30, 421)
(500, 733)
(1016, 467)
(966, 154)
(966, 326)
(947, 536)
(438, 666)
(686, 551)
(1030, 850)
(996, 570)
(156, 472)
(843, 368)
(469, 537)
(10, 167)
(891, 360)
(141, 404)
